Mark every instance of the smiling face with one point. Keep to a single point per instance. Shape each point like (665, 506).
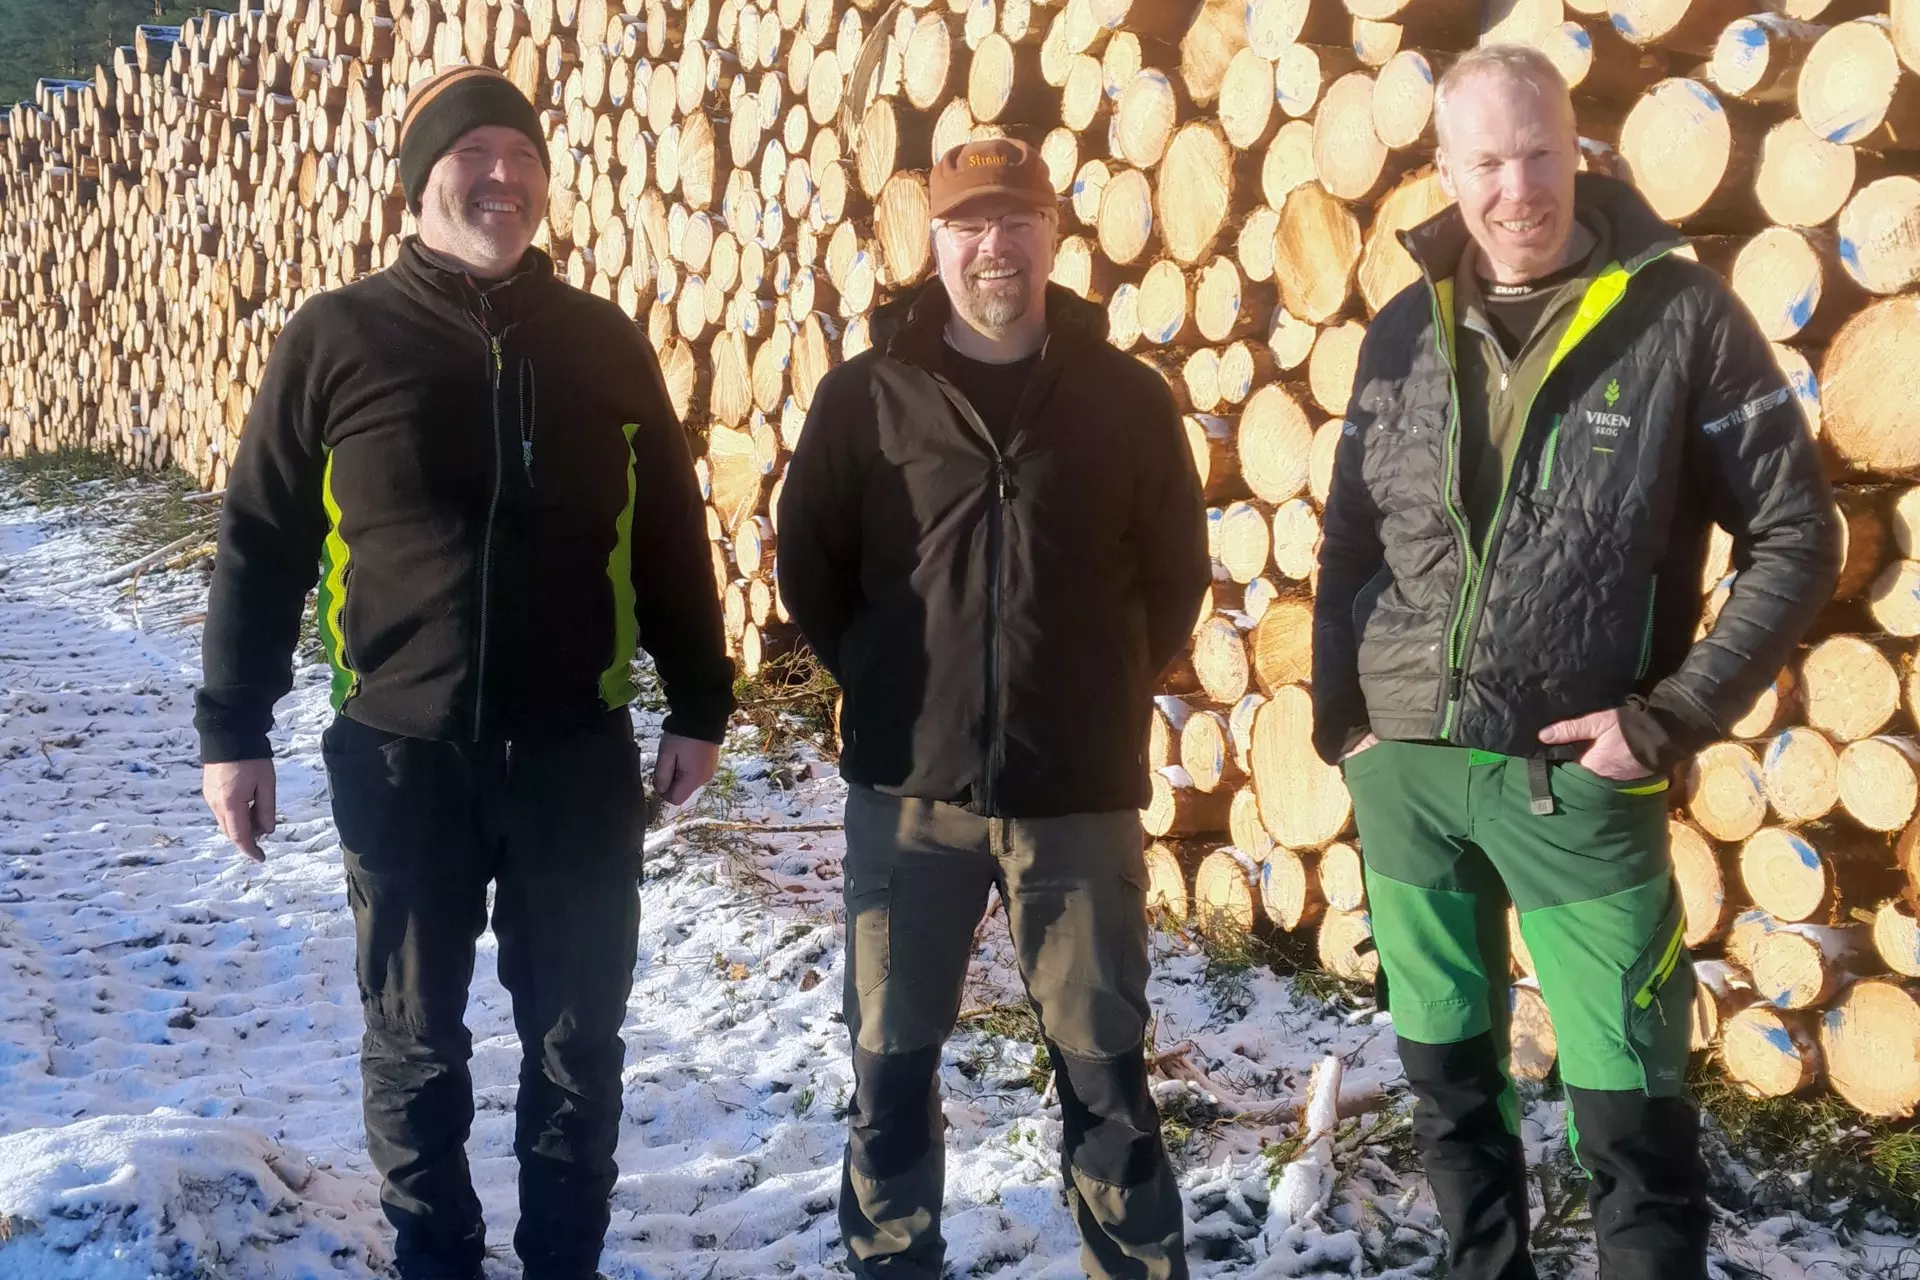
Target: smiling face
(995, 258)
(1508, 153)
(484, 199)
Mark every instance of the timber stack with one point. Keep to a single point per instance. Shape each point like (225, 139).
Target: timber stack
(747, 177)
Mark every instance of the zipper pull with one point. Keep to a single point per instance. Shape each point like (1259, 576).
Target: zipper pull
(526, 460)
(1000, 475)
(1456, 683)
(496, 354)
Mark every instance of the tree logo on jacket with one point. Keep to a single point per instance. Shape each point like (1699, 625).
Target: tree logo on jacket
(1612, 396)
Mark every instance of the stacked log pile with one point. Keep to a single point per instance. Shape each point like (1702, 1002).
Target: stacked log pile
(748, 177)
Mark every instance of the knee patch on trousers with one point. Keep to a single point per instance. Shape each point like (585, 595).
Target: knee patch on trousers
(1112, 1127)
(895, 1118)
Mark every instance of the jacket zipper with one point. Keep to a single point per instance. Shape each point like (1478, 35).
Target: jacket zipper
(1455, 675)
(996, 537)
(1669, 961)
(1646, 635)
(1476, 570)
(493, 510)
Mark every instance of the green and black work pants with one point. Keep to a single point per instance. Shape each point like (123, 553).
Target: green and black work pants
(1451, 836)
(917, 874)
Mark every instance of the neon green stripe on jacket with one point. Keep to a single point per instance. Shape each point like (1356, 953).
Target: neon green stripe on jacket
(336, 559)
(616, 682)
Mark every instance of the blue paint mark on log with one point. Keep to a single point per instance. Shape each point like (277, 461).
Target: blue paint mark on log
(1851, 131)
(1752, 36)
(1581, 38)
(1705, 95)
(1849, 253)
(1808, 858)
(1623, 24)
(1779, 1039)
(1425, 69)
(1802, 309)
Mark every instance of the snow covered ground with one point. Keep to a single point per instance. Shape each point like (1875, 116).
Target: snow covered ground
(179, 1090)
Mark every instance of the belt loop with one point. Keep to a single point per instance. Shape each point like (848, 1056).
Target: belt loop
(1539, 793)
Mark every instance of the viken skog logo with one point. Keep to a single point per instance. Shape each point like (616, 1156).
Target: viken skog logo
(1609, 423)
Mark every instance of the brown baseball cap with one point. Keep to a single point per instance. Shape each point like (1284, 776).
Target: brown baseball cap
(1000, 169)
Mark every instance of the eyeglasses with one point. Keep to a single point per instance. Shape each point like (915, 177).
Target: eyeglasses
(973, 230)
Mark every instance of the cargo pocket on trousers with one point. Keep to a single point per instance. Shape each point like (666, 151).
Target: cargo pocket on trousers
(870, 932)
(1658, 991)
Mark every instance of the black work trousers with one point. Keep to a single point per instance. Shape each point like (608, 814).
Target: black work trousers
(556, 826)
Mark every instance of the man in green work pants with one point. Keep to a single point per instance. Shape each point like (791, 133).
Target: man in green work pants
(1508, 661)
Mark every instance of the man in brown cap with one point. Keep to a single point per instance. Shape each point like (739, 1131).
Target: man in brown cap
(481, 468)
(992, 535)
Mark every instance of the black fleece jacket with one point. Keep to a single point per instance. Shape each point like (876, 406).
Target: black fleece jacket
(998, 618)
(496, 499)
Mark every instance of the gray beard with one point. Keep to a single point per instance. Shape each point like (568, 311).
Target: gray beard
(994, 310)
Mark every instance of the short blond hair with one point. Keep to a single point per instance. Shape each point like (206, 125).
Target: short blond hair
(1515, 63)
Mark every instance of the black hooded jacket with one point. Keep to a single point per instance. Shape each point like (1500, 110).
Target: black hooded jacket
(997, 619)
(496, 499)
(1662, 414)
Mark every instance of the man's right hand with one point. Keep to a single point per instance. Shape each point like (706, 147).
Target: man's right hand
(1364, 744)
(240, 794)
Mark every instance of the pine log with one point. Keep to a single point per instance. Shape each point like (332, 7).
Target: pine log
(1691, 157)
(1870, 1040)
(1167, 891)
(1726, 793)
(1177, 808)
(1125, 217)
(1896, 937)
(1282, 645)
(1793, 283)
(1879, 234)
(1853, 89)
(1802, 179)
(1758, 58)
(1894, 600)
(1331, 368)
(1338, 943)
(1803, 966)
(1880, 782)
(1302, 73)
(1802, 774)
(1701, 877)
(1304, 801)
(1342, 880)
(1849, 688)
(1769, 1053)
(1206, 752)
(1195, 191)
(1220, 660)
(1316, 249)
(1248, 833)
(1385, 266)
(1721, 989)
(1688, 26)
(1290, 890)
(1598, 64)
(1816, 874)
(1349, 159)
(1403, 99)
(1226, 897)
(1274, 442)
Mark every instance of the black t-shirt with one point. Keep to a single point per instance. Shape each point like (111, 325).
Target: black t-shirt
(1514, 309)
(993, 390)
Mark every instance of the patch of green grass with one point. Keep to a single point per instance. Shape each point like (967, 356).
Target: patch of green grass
(1016, 1021)
(790, 701)
(71, 478)
(1814, 1149)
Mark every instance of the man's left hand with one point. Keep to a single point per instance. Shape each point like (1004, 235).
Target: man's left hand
(684, 766)
(1609, 755)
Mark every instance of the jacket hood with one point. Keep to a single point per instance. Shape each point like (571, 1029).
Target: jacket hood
(909, 328)
(1635, 231)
